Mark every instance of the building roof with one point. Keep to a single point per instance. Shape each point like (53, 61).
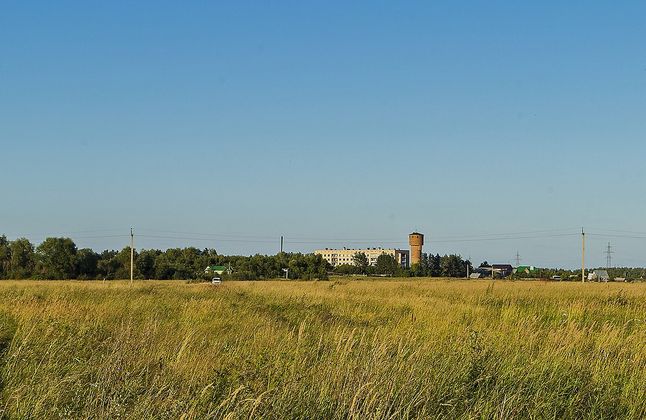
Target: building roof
(360, 249)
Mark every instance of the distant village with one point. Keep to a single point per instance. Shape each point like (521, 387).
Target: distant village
(59, 258)
(407, 258)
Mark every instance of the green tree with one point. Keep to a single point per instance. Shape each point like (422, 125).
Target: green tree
(22, 259)
(191, 264)
(56, 259)
(360, 260)
(386, 264)
(453, 266)
(108, 265)
(87, 263)
(123, 264)
(5, 257)
(424, 268)
(346, 269)
(145, 263)
(166, 264)
(434, 265)
(116, 265)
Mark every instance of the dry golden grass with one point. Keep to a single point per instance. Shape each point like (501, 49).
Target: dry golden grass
(337, 349)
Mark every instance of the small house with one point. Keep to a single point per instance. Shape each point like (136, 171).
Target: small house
(505, 270)
(499, 270)
(599, 275)
(216, 269)
(524, 269)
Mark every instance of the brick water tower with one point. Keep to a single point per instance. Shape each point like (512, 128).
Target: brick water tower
(416, 242)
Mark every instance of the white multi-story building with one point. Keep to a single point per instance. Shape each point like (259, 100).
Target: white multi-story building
(337, 257)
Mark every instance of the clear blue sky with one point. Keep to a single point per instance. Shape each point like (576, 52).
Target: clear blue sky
(327, 122)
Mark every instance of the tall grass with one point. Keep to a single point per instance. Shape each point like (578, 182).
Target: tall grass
(338, 349)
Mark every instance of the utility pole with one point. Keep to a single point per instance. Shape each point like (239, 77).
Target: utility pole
(132, 255)
(467, 268)
(609, 253)
(281, 244)
(517, 259)
(582, 256)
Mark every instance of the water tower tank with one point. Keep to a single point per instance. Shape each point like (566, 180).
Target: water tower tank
(416, 242)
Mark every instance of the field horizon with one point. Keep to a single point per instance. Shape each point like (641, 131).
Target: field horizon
(343, 348)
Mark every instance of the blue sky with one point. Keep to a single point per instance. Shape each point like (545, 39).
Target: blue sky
(228, 124)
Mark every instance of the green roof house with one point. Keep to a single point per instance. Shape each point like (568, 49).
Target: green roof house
(524, 269)
(219, 269)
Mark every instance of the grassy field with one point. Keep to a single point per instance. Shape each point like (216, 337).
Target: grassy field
(337, 349)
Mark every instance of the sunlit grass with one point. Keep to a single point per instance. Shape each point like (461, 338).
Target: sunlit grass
(337, 349)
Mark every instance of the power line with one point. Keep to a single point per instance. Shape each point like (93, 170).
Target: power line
(609, 253)
(206, 239)
(234, 235)
(507, 238)
(296, 240)
(314, 239)
(599, 235)
(528, 232)
(240, 237)
(66, 233)
(621, 231)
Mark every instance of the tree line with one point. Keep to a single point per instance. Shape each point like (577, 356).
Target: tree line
(429, 266)
(628, 273)
(59, 258)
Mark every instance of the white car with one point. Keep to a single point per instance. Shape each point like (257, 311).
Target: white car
(216, 280)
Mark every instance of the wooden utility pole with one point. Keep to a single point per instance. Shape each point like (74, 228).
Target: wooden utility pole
(582, 255)
(132, 255)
